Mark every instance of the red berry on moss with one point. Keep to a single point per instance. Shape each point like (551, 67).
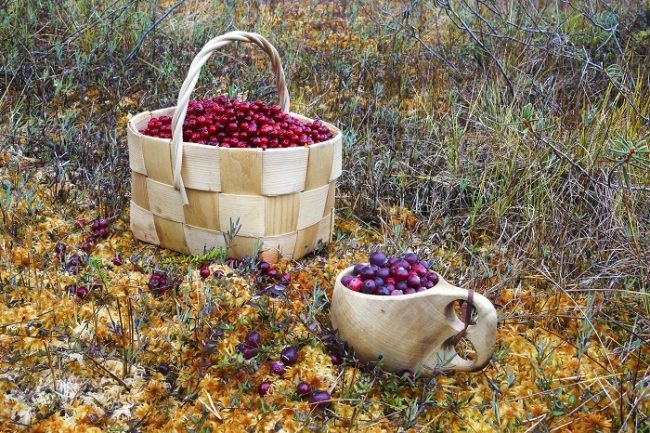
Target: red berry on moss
(321, 398)
(81, 291)
(253, 339)
(289, 355)
(264, 388)
(303, 389)
(278, 367)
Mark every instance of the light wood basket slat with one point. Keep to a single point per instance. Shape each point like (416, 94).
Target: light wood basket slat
(185, 195)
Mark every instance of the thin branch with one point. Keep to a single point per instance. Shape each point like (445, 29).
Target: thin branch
(448, 9)
(135, 49)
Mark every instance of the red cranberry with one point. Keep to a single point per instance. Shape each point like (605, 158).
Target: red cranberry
(399, 273)
(163, 369)
(205, 272)
(117, 261)
(401, 285)
(433, 278)
(289, 355)
(285, 279)
(403, 263)
(383, 273)
(413, 281)
(95, 226)
(159, 282)
(278, 367)
(272, 273)
(421, 289)
(355, 284)
(406, 374)
(253, 339)
(357, 269)
(396, 293)
(249, 352)
(264, 388)
(263, 267)
(103, 223)
(81, 292)
(335, 358)
(86, 246)
(303, 389)
(321, 398)
(367, 272)
(420, 270)
(379, 282)
(409, 291)
(59, 249)
(411, 258)
(369, 287)
(384, 291)
(378, 258)
(345, 280)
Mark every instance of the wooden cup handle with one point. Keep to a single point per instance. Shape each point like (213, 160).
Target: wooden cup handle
(482, 334)
(190, 82)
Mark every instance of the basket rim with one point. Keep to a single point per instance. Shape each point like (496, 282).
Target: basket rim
(132, 128)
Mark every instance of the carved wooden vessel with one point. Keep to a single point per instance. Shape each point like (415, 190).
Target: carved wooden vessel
(413, 331)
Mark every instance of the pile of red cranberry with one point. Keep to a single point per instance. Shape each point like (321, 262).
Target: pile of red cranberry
(232, 123)
(391, 276)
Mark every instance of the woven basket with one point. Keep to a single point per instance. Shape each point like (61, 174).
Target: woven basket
(184, 195)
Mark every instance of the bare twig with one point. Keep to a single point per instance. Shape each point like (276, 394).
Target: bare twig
(138, 44)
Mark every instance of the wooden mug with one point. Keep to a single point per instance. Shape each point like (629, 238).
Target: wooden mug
(413, 331)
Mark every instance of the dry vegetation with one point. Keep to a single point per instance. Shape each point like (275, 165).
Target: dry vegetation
(507, 141)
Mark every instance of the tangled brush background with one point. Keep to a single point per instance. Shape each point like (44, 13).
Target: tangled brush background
(504, 141)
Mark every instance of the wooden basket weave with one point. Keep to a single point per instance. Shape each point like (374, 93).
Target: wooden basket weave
(184, 195)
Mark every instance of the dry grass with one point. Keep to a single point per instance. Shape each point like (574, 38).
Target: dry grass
(506, 140)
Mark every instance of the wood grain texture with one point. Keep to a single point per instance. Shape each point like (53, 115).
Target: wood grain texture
(283, 244)
(157, 159)
(200, 240)
(312, 206)
(136, 157)
(142, 224)
(309, 238)
(337, 161)
(241, 171)
(281, 214)
(165, 201)
(201, 167)
(138, 122)
(203, 210)
(324, 233)
(331, 196)
(319, 166)
(249, 209)
(284, 170)
(171, 234)
(139, 190)
(243, 246)
(426, 323)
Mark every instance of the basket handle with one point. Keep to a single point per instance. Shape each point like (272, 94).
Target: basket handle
(190, 82)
